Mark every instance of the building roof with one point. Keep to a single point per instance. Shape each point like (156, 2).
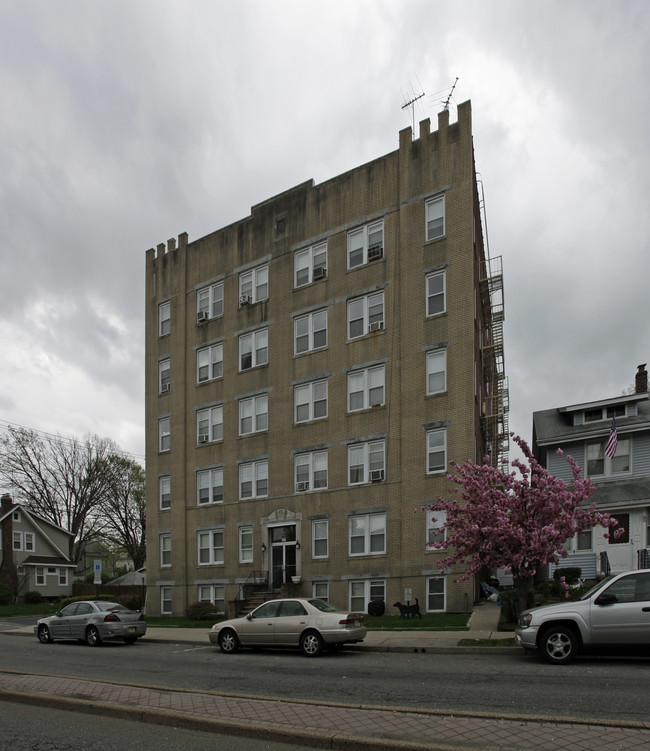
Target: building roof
(627, 493)
(46, 560)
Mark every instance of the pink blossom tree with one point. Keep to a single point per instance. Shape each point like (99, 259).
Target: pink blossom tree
(517, 522)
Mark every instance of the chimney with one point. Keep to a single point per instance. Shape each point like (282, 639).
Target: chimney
(8, 573)
(641, 380)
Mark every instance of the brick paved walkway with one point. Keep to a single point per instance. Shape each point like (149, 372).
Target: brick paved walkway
(335, 726)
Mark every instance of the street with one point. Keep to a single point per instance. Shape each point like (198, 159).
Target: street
(596, 687)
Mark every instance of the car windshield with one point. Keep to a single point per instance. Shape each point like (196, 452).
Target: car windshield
(596, 587)
(325, 607)
(109, 606)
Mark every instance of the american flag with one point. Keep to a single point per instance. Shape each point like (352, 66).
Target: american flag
(612, 441)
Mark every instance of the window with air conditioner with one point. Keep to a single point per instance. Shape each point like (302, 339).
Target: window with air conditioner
(209, 302)
(209, 424)
(310, 264)
(254, 285)
(365, 244)
(164, 375)
(311, 471)
(364, 459)
(365, 314)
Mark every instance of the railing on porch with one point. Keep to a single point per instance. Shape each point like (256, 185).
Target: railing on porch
(257, 580)
(643, 558)
(605, 568)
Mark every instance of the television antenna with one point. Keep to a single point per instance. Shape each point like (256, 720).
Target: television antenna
(410, 102)
(446, 107)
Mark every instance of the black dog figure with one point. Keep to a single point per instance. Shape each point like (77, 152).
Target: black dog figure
(408, 611)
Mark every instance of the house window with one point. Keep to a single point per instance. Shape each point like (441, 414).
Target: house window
(164, 375)
(165, 492)
(311, 471)
(214, 593)
(367, 534)
(435, 594)
(436, 451)
(28, 542)
(436, 371)
(584, 540)
(435, 218)
(210, 547)
(310, 332)
(209, 486)
(310, 401)
(254, 480)
(599, 464)
(164, 434)
(209, 302)
(165, 549)
(254, 285)
(366, 388)
(366, 462)
(624, 524)
(435, 292)
(16, 515)
(365, 244)
(40, 577)
(603, 413)
(209, 425)
(319, 538)
(310, 265)
(435, 523)
(209, 363)
(365, 591)
(245, 544)
(63, 577)
(165, 600)
(18, 540)
(253, 414)
(321, 591)
(164, 318)
(253, 349)
(365, 314)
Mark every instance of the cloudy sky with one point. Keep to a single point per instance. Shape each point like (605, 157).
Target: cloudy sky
(126, 122)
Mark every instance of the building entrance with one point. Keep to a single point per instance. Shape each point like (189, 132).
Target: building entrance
(283, 554)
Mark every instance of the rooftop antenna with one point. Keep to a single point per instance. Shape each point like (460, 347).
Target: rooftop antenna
(411, 103)
(446, 107)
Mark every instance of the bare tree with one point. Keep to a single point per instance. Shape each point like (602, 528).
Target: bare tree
(123, 508)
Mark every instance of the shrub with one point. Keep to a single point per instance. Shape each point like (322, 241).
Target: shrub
(67, 600)
(6, 595)
(200, 611)
(571, 574)
(33, 598)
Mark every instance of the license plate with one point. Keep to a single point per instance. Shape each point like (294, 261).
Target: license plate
(131, 628)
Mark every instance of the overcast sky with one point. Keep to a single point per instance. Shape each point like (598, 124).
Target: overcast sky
(126, 122)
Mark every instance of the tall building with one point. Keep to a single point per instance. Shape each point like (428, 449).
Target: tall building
(311, 370)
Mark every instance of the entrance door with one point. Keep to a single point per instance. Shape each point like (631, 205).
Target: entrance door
(283, 554)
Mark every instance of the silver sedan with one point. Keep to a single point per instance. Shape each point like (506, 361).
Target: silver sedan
(311, 625)
(92, 621)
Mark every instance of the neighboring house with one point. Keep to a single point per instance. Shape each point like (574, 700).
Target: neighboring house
(131, 579)
(310, 372)
(112, 557)
(35, 552)
(622, 480)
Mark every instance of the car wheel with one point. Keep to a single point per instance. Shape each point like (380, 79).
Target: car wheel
(44, 635)
(311, 643)
(130, 639)
(228, 641)
(92, 636)
(559, 645)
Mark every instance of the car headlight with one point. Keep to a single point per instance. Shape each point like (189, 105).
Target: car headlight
(525, 619)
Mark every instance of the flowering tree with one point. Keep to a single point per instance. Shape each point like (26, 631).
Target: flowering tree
(520, 523)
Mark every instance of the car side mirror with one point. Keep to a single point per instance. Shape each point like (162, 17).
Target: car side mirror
(59, 614)
(607, 598)
(249, 617)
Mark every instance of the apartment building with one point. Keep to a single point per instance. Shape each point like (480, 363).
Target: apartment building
(311, 370)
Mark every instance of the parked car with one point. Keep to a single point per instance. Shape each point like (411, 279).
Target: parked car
(92, 621)
(311, 625)
(616, 612)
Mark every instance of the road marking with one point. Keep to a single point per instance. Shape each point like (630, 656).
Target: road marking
(189, 649)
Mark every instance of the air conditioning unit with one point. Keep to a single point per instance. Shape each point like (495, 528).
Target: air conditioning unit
(375, 252)
(376, 326)
(203, 437)
(302, 486)
(164, 388)
(376, 475)
(202, 316)
(320, 272)
(244, 300)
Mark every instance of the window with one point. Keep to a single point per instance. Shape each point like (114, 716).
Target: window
(366, 388)
(164, 318)
(436, 451)
(310, 401)
(254, 480)
(584, 540)
(604, 413)
(311, 471)
(365, 314)
(321, 591)
(435, 523)
(632, 588)
(245, 544)
(165, 600)
(40, 577)
(16, 515)
(165, 549)
(367, 534)
(319, 538)
(253, 414)
(254, 285)
(365, 244)
(209, 486)
(214, 593)
(28, 542)
(63, 577)
(164, 376)
(253, 349)
(435, 218)
(435, 594)
(435, 291)
(310, 264)
(366, 462)
(18, 540)
(599, 464)
(209, 425)
(210, 547)
(209, 302)
(624, 524)
(310, 332)
(209, 363)
(164, 492)
(436, 371)
(365, 591)
(164, 434)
